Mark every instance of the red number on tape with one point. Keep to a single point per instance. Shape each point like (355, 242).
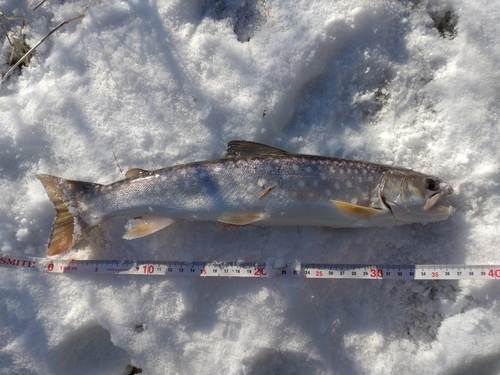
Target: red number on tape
(148, 269)
(376, 273)
(494, 273)
(260, 271)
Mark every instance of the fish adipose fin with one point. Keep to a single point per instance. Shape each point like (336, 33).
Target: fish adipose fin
(142, 226)
(248, 149)
(68, 227)
(361, 212)
(134, 172)
(241, 219)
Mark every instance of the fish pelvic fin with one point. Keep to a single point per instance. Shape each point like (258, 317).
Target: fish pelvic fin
(68, 227)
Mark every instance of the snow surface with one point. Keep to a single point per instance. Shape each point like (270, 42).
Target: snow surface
(161, 83)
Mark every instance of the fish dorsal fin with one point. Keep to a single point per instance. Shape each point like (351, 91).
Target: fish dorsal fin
(248, 149)
(134, 172)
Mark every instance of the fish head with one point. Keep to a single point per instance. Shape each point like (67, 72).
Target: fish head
(414, 197)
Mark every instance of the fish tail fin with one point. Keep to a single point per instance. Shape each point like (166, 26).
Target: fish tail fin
(69, 227)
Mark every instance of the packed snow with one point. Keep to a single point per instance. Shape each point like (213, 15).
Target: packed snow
(160, 83)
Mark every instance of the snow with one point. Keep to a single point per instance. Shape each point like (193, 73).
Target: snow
(162, 83)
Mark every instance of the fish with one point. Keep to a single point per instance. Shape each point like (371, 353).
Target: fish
(254, 184)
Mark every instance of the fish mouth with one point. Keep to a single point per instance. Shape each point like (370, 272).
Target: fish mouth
(432, 201)
(443, 208)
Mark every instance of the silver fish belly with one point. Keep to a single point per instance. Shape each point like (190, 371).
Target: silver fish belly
(254, 184)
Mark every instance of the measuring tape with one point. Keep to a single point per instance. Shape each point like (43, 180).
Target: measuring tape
(253, 269)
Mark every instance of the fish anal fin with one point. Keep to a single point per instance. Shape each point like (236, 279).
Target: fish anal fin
(241, 219)
(134, 172)
(249, 149)
(361, 212)
(145, 225)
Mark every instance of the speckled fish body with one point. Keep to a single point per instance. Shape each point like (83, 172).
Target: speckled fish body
(254, 184)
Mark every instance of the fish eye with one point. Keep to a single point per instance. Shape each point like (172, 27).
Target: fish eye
(430, 184)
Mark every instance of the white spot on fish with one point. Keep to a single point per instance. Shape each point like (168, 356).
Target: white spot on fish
(337, 186)
(268, 169)
(261, 182)
(355, 171)
(295, 167)
(341, 171)
(332, 169)
(360, 179)
(348, 184)
(348, 170)
(354, 200)
(370, 178)
(301, 183)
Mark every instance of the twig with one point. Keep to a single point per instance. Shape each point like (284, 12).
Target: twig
(39, 4)
(12, 18)
(19, 47)
(6, 33)
(40, 42)
(117, 164)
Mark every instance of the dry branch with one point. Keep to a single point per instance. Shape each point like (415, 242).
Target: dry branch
(40, 42)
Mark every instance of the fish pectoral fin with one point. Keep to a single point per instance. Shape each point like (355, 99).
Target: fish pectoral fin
(134, 172)
(361, 212)
(248, 149)
(241, 219)
(142, 226)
